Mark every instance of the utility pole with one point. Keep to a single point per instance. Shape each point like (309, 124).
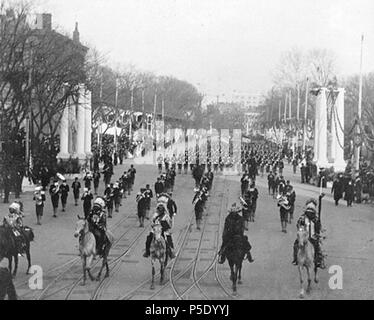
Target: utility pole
(116, 115)
(357, 150)
(131, 109)
(298, 103)
(100, 122)
(305, 113)
(154, 116)
(143, 118)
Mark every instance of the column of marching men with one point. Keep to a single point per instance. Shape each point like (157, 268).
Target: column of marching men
(270, 160)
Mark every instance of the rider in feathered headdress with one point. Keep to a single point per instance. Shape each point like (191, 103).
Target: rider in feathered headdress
(311, 222)
(163, 218)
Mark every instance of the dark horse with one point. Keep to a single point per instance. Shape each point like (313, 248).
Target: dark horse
(235, 256)
(6, 285)
(8, 248)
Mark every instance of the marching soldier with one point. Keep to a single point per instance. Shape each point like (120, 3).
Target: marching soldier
(87, 198)
(76, 188)
(64, 191)
(39, 198)
(54, 193)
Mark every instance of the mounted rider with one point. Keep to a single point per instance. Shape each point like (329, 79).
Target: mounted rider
(97, 221)
(14, 221)
(163, 218)
(234, 226)
(311, 222)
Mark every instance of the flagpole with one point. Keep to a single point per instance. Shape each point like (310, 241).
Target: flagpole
(289, 105)
(305, 113)
(131, 107)
(357, 156)
(116, 114)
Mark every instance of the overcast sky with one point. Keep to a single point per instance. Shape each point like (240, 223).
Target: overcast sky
(219, 45)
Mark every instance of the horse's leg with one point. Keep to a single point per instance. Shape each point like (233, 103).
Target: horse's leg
(300, 268)
(10, 259)
(84, 269)
(101, 268)
(315, 274)
(15, 265)
(308, 288)
(88, 268)
(162, 270)
(240, 273)
(28, 255)
(235, 277)
(153, 275)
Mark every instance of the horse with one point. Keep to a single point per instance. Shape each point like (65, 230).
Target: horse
(87, 249)
(6, 285)
(158, 252)
(9, 250)
(235, 256)
(305, 259)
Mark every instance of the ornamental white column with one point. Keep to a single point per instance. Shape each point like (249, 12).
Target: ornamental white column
(64, 135)
(88, 124)
(333, 134)
(320, 143)
(81, 119)
(339, 162)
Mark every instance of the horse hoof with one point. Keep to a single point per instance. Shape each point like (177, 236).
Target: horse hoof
(316, 280)
(240, 282)
(83, 283)
(107, 275)
(301, 296)
(97, 279)
(152, 287)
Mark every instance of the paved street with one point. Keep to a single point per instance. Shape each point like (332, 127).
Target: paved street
(194, 274)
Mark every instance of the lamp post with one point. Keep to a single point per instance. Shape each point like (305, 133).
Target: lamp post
(357, 150)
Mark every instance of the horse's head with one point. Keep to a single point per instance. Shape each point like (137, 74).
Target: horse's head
(80, 227)
(157, 231)
(302, 237)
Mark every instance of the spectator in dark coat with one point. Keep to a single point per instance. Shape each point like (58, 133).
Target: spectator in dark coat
(337, 189)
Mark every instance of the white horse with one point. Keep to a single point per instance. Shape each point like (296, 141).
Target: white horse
(305, 259)
(87, 249)
(158, 252)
